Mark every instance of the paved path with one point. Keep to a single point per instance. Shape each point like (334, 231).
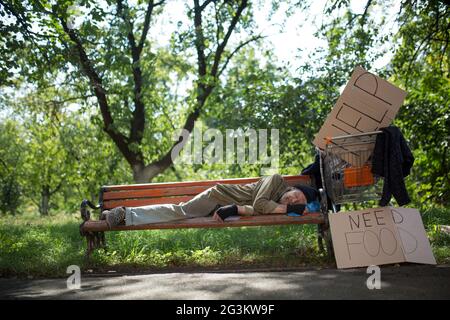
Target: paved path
(401, 282)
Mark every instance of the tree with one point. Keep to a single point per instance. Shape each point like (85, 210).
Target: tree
(54, 156)
(259, 95)
(11, 164)
(111, 51)
(45, 164)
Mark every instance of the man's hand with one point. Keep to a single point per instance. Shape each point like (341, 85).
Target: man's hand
(224, 212)
(217, 217)
(296, 208)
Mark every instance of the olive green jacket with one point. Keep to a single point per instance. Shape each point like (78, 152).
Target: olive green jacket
(262, 195)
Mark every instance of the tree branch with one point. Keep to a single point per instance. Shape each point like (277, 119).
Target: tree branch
(199, 39)
(221, 47)
(137, 124)
(362, 16)
(147, 19)
(56, 188)
(204, 90)
(56, 102)
(205, 4)
(26, 25)
(96, 83)
(239, 47)
(4, 163)
(425, 41)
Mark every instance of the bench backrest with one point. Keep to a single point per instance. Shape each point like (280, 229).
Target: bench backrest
(170, 192)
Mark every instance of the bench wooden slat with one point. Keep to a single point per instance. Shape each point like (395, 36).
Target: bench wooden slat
(209, 222)
(144, 202)
(160, 185)
(154, 193)
(164, 192)
(291, 180)
(170, 192)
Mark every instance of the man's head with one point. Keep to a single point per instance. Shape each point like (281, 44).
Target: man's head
(298, 194)
(293, 196)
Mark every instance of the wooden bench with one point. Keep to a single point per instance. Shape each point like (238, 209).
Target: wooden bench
(176, 192)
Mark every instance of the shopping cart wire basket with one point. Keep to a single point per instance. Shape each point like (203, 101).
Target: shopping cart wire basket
(346, 169)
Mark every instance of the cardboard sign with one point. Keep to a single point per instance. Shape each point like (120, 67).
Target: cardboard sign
(415, 244)
(367, 104)
(379, 236)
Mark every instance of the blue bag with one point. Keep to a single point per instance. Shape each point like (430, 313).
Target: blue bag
(313, 206)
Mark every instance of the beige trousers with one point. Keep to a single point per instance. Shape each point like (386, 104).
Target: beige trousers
(201, 205)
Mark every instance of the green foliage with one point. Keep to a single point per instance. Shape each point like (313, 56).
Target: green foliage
(421, 66)
(11, 164)
(257, 96)
(55, 157)
(10, 194)
(434, 219)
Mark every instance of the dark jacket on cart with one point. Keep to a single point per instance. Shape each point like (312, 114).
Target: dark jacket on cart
(392, 159)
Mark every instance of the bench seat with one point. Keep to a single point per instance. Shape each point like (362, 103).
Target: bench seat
(209, 222)
(175, 192)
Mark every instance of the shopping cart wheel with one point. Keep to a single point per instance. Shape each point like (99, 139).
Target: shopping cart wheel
(322, 228)
(324, 234)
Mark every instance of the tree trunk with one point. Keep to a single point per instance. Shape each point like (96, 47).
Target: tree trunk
(45, 199)
(145, 174)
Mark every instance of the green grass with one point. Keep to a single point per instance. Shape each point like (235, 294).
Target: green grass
(32, 245)
(439, 240)
(44, 247)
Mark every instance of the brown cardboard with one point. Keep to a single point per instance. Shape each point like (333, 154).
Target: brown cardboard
(379, 236)
(416, 246)
(367, 104)
(364, 238)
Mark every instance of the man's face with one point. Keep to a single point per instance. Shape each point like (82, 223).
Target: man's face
(293, 197)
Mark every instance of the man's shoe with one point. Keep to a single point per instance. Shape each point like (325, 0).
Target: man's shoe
(104, 214)
(115, 216)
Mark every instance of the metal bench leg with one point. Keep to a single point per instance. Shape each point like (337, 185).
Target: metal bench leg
(95, 240)
(324, 230)
(329, 244)
(320, 238)
(326, 234)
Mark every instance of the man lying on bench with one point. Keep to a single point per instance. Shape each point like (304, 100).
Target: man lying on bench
(270, 195)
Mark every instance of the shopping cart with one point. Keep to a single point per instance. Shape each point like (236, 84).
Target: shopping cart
(345, 167)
